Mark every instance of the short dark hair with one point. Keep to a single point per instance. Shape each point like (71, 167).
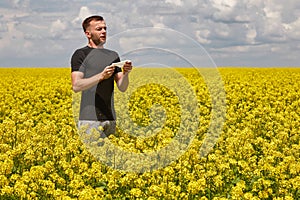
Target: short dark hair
(86, 22)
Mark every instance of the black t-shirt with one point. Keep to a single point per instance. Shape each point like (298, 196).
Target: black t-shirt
(97, 103)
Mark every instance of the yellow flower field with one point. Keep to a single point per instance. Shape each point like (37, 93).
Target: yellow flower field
(257, 154)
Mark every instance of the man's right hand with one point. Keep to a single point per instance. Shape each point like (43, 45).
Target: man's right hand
(107, 72)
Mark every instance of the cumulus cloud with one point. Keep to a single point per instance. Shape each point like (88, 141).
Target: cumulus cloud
(293, 29)
(20, 4)
(57, 28)
(251, 34)
(158, 22)
(83, 13)
(202, 36)
(223, 9)
(175, 2)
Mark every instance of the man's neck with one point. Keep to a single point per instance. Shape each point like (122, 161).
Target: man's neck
(95, 46)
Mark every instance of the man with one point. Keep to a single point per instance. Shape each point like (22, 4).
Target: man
(93, 74)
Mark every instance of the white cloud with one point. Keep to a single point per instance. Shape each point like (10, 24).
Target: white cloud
(224, 5)
(224, 8)
(251, 35)
(272, 14)
(20, 3)
(270, 25)
(143, 38)
(57, 28)
(222, 31)
(158, 22)
(83, 13)
(293, 29)
(202, 36)
(13, 43)
(175, 2)
(254, 3)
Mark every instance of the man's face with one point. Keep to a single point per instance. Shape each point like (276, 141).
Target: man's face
(97, 32)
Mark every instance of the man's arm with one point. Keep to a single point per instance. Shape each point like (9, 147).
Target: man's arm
(79, 83)
(122, 81)
(122, 78)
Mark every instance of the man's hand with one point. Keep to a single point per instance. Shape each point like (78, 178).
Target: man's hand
(122, 79)
(127, 67)
(107, 72)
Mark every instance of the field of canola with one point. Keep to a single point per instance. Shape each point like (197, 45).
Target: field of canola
(257, 155)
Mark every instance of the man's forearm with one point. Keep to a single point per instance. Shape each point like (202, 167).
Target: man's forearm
(123, 82)
(82, 84)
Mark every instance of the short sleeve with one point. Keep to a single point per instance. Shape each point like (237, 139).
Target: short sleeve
(77, 60)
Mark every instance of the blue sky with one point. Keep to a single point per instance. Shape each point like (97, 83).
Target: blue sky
(44, 33)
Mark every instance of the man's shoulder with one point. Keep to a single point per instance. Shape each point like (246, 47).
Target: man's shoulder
(79, 56)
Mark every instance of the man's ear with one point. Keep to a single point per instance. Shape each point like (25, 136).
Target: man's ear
(88, 34)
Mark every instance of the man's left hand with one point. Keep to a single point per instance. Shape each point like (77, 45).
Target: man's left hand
(127, 67)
